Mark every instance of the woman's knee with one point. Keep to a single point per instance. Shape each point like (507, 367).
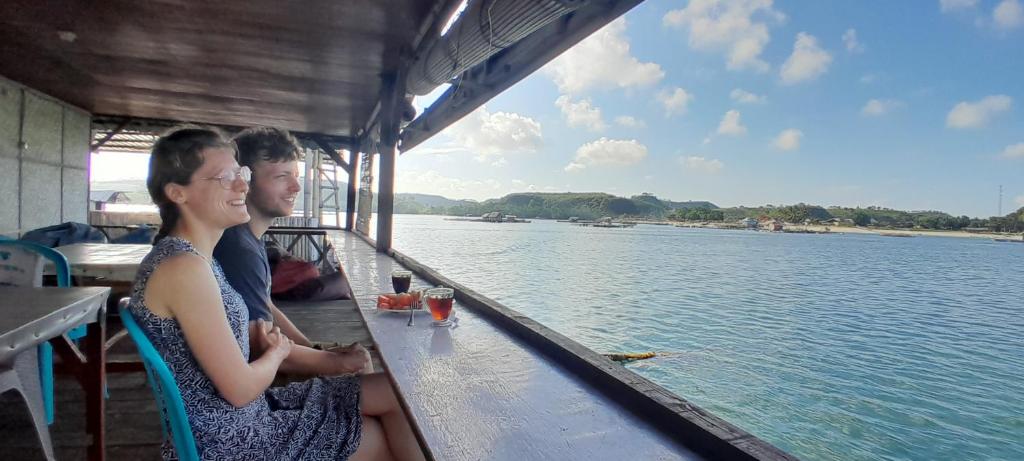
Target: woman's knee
(377, 396)
(372, 445)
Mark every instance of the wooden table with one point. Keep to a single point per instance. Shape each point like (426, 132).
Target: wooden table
(109, 261)
(476, 392)
(32, 316)
(108, 265)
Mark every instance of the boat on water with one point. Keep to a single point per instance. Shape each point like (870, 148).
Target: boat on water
(606, 222)
(895, 234)
(1010, 239)
(494, 217)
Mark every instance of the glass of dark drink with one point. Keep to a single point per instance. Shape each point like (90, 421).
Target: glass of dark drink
(400, 281)
(439, 300)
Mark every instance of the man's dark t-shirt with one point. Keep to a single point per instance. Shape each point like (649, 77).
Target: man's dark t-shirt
(244, 260)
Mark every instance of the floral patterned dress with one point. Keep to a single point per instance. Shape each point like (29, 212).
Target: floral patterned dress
(318, 419)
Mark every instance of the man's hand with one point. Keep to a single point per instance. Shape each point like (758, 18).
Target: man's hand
(353, 358)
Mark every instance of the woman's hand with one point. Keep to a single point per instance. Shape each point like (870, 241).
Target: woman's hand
(272, 341)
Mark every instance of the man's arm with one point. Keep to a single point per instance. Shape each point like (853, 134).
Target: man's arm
(308, 361)
(288, 328)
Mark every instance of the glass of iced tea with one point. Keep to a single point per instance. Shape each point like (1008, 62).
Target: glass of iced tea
(439, 300)
(400, 281)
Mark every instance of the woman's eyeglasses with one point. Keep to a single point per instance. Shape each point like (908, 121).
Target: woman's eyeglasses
(227, 179)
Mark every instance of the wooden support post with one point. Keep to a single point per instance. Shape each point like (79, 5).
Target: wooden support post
(350, 199)
(392, 98)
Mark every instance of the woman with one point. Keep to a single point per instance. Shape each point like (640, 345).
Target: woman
(198, 323)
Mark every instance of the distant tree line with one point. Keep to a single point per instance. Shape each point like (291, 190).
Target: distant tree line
(696, 214)
(647, 206)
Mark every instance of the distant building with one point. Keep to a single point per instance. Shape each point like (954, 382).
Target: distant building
(749, 223)
(99, 198)
(494, 216)
(771, 225)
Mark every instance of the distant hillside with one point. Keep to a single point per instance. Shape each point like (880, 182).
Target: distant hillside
(561, 206)
(433, 200)
(879, 217)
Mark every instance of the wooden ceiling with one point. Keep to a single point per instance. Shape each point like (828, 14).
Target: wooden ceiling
(311, 66)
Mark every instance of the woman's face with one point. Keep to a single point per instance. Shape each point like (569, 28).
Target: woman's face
(216, 195)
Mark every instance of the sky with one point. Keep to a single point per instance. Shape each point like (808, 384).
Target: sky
(911, 105)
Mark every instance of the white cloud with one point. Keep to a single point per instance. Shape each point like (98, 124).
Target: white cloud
(850, 40)
(602, 60)
(675, 101)
(629, 121)
(737, 27)
(977, 114)
(879, 107)
(1008, 14)
(608, 152)
(494, 135)
(788, 139)
(1019, 200)
(950, 5)
(432, 182)
(702, 164)
(1014, 151)
(868, 78)
(807, 62)
(745, 97)
(731, 125)
(581, 113)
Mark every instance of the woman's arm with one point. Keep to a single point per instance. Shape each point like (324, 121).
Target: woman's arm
(184, 286)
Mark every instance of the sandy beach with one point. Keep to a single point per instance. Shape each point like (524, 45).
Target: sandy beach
(899, 232)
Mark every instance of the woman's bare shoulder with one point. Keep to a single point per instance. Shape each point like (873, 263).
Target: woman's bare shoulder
(178, 283)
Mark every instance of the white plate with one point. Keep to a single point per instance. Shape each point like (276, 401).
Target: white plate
(401, 311)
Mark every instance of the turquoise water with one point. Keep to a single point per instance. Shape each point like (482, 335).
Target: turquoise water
(828, 346)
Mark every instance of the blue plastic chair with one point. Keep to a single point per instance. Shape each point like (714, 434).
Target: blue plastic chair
(33, 277)
(168, 398)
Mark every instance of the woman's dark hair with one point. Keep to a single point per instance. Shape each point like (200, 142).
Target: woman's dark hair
(175, 157)
(266, 143)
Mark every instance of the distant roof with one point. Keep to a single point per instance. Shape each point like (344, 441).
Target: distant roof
(313, 66)
(107, 196)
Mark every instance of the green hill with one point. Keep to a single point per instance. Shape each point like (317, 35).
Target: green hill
(590, 205)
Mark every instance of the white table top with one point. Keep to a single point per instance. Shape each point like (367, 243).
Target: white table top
(33, 315)
(115, 262)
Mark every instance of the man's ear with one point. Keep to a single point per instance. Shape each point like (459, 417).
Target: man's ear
(175, 193)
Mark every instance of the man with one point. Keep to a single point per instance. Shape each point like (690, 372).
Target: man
(272, 155)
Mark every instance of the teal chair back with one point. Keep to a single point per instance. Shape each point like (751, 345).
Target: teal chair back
(21, 264)
(165, 390)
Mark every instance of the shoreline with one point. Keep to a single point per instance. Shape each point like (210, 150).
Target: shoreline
(820, 229)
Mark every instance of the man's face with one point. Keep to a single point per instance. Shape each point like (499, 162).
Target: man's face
(274, 187)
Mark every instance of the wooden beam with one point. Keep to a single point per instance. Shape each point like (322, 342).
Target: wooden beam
(118, 129)
(392, 97)
(350, 199)
(331, 152)
(506, 68)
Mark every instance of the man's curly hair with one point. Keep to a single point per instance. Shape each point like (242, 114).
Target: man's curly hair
(266, 143)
